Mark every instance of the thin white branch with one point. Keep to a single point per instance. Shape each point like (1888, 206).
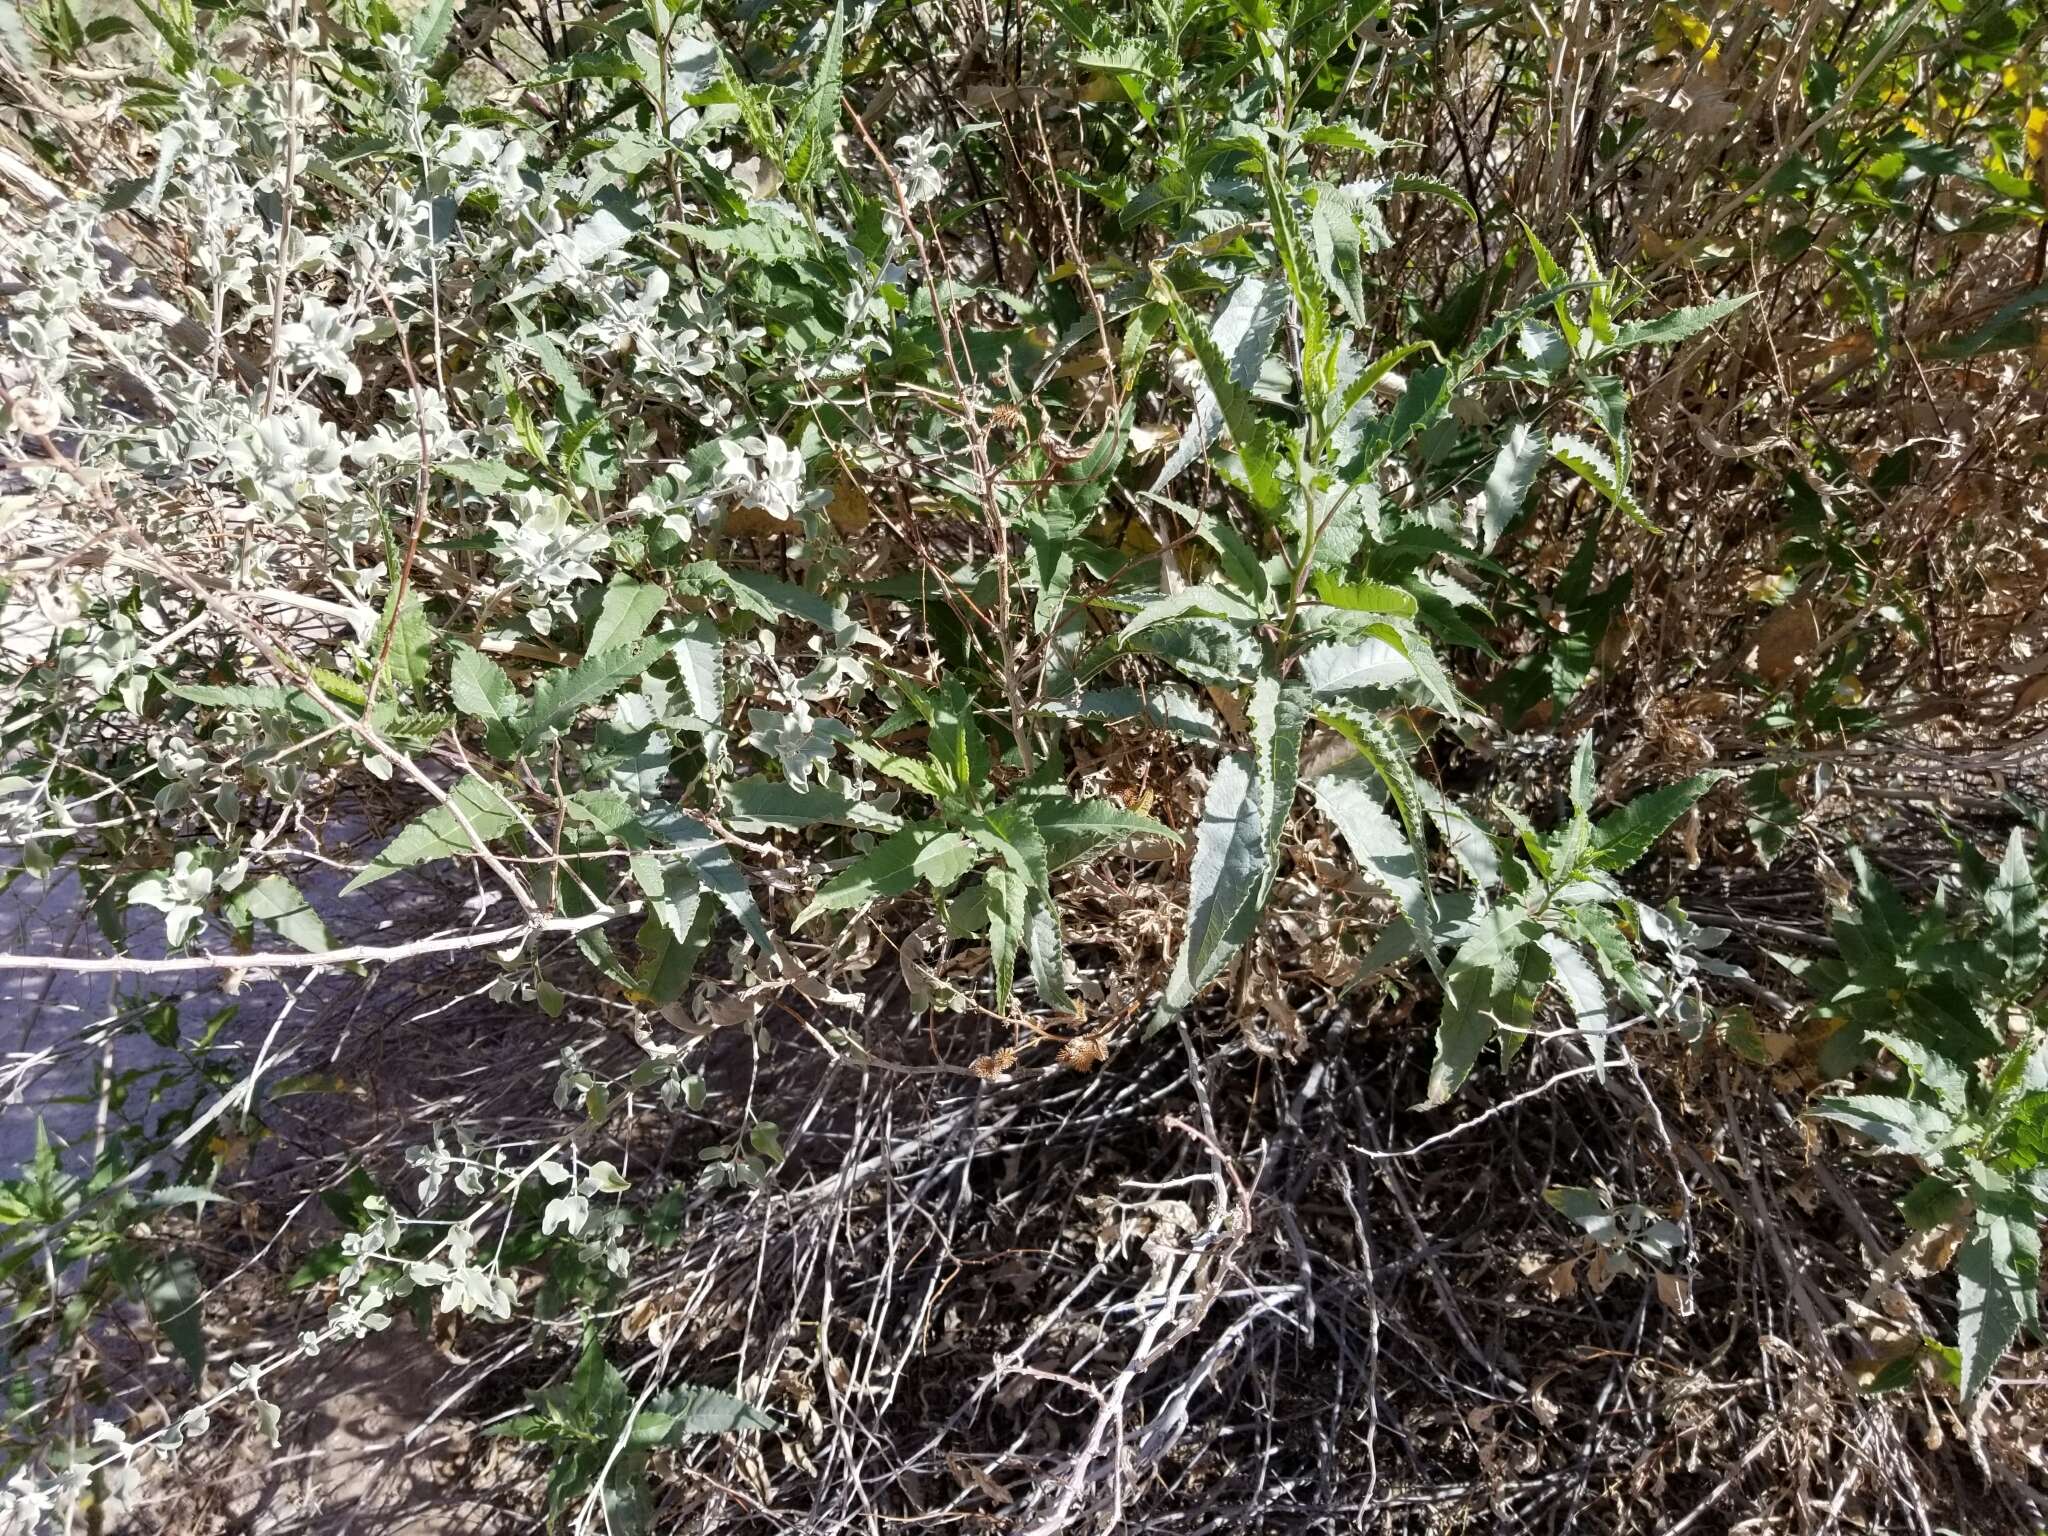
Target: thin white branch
(354, 954)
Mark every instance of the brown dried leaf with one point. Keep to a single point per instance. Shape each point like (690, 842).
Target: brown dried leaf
(1675, 1291)
(848, 507)
(1787, 643)
(1560, 1281)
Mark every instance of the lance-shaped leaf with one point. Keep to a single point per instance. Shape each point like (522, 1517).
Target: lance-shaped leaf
(678, 834)
(276, 901)
(1626, 835)
(437, 832)
(563, 695)
(1350, 796)
(1911, 1126)
(1277, 716)
(1166, 708)
(1226, 874)
(1521, 454)
(810, 142)
(1598, 471)
(1241, 335)
(2013, 903)
(1380, 752)
(482, 691)
(1679, 325)
(777, 803)
(1204, 602)
(1341, 666)
(1580, 983)
(888, 869)
(1233, 401)
(1074, 830)
(624, 614)
(1008, 922)
(680, 1412)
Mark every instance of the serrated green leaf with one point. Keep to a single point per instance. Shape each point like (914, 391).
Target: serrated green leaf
(1422, 404)
(889, 869)
(563, 695)
(1008, 923)
(1342, 666)
(1380, 753)
(1580, 983)
(1233, 400)
(1552, 276)
(1277, 715)
(681, 1412)
(1365, 596)
(488, 475)
(1583, 783)
(1430, 676)
(436, 834)
(1611, 948)
(944, 860)
(1168, 708)
(920, 773)
(1045, 944)
(1209, 601)
(700, 664)
(1074, 830)
(1350, 796)
(405, 640)
(1932, 1204)
(810, 147)
(431, 26)
(1679, 325)
(1621, 838)
(668, 958)
(956, 740)
(768, 598)
(1339, 251)
(173, 1293)
(276, 901)
(1998, 1275)
(627, 610)
(1598, 471)
(672, 890)
(482, 691)
(1470, 845)
(260, 697)
(776, 803)
(1128, 57)
(677, 833)
(1911, 1126)
(1431, 187)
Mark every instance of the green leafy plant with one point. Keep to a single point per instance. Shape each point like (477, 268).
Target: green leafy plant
(600, 1437)
(1019, 843)
(1951, 997)
(1545, 910)
(696, 497)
